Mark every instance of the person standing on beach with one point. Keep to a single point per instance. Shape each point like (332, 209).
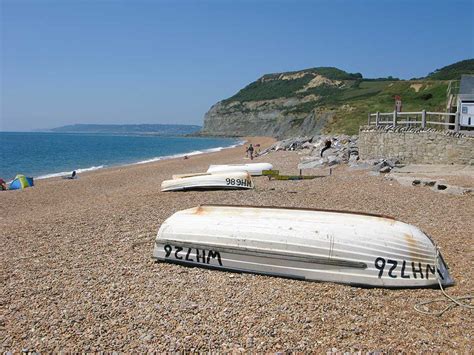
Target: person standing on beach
(250, 151)
(327, 145)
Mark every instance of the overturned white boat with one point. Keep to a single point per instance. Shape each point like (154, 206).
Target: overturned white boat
(231, 180)
(253, 169)
(342, 247)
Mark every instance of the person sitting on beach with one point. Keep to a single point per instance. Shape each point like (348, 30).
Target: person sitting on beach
(250, 151)
(72, 177)
(327, 145)
(3, 185)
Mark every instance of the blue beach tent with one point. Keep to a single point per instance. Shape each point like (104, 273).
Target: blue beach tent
(21, 182)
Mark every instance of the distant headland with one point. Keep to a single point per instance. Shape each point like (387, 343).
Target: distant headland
(145, 129)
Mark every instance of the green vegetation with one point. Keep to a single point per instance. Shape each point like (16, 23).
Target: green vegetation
(328, 72)
(453, 71)
(271, 87)
(351, 105)
(431, 96)
(388, 78)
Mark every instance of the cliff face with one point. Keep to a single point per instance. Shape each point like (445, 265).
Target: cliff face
(262, 118)
(278, 105)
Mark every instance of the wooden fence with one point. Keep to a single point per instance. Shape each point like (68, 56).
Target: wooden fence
(423, 118)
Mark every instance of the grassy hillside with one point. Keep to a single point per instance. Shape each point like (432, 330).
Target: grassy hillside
(416, 95)
(453, 71)
(274, 86)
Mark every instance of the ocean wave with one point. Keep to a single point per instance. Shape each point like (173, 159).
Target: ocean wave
(65, 173)
(164, 157)
(181, 155)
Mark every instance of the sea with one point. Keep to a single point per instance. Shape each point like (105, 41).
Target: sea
(43, 154)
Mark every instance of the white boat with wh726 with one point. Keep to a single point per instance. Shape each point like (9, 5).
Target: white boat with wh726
(230, 180)
(336, 246)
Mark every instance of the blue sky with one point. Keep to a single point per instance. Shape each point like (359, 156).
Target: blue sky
(144, 61)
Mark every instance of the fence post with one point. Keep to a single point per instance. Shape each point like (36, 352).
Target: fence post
(456, 122)
(368, 119)
(377, 119)
(394, 118)
(423, 119)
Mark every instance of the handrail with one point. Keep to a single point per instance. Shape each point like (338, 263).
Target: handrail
(402, 118)
(439, 123)
(408, 113)
(442, 113)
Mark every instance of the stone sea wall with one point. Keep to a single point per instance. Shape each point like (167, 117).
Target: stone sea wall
(417, 146)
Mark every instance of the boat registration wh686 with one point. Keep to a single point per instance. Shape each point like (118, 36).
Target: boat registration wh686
(238, 182)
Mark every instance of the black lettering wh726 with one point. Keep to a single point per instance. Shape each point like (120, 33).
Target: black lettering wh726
(404, 269)
(192, 254)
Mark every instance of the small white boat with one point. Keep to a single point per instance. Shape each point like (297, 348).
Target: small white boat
(253, 169)
(180, 176)
(231, 180)
(343, 247)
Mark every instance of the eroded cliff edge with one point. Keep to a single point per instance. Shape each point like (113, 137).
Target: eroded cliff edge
(262, 118)
(278, 105)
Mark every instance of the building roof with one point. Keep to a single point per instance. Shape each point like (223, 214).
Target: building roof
(467, 85)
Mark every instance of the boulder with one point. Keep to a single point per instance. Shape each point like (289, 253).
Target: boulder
(385, 169)
(333, 160)
(311, 164)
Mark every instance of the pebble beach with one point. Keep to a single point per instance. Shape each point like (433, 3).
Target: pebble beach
(78, 275)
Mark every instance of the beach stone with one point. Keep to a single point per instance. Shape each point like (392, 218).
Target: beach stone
(249, 342)
(311, 164)
(385, 169)
(357, 165)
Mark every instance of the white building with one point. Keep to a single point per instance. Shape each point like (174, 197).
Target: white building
(465, 104)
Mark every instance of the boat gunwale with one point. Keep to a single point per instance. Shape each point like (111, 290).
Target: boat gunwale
(295, 277)
(206, 188)
(217, 174)
(237, 164)
(303, 209)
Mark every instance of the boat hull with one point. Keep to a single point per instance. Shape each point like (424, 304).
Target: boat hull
(236, 180)
(254, 169)
(312, 245)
